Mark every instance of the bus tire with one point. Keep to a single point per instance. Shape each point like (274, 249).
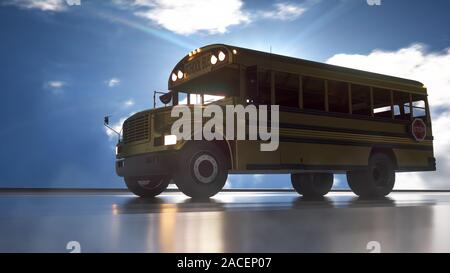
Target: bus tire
(148, 186)
(378, 181)
(202, 170)
(312, 184)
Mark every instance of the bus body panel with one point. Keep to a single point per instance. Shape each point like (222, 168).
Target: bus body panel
(310, 140)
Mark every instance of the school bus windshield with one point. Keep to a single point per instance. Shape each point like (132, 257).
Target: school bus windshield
(190, 99)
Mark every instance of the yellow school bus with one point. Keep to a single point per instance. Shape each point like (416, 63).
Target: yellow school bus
(331, 120)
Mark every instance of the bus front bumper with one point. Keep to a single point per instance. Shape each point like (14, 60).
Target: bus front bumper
(145, 164)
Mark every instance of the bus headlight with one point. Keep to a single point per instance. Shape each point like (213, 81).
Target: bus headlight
(213, 59)
(174, 77)
(170, 140)
(221, 56)
(180, 74)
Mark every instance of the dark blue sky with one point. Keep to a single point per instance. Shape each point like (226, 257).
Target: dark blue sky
(56, 65)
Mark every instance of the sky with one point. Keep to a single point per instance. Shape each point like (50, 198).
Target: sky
(68, 63)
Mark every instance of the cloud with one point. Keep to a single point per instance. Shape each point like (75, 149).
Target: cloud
(187, 17)
(432, 69)
(413, 62)
(284, 12)
(55, 86)
(128, 103)
(113, 82)
(73, 2)
(44, 5)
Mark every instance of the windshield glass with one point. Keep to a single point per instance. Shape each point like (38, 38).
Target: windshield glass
(192, 99)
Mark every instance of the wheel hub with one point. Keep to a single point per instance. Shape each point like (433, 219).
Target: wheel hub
(205, 168)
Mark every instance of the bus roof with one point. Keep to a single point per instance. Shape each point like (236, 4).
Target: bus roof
(251, 57)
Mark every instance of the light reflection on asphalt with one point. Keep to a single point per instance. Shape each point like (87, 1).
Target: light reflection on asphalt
(228, 222)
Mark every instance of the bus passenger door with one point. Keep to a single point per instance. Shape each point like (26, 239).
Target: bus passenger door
(249, 154)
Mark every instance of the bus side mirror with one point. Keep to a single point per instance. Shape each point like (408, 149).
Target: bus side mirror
(166, 98)
(106, 124)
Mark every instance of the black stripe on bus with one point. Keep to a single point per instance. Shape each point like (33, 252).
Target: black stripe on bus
(281, 167)
(344, 130)
(278, 167)
(417, 169)
(355, 143)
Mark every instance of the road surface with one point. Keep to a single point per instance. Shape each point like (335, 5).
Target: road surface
(99, 221)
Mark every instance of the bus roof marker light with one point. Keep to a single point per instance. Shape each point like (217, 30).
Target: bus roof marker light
(213, 59)
(190, 54)
(174, 77)
(221, 56)
(180, 74)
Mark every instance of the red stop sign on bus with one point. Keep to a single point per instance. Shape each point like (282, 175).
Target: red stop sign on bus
(419, 129)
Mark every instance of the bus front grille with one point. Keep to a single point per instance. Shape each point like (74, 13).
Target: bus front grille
(136, 128)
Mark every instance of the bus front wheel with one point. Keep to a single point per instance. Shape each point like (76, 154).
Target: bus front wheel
(202, 170)
(377, 181)
(149, 186)
(312, 184)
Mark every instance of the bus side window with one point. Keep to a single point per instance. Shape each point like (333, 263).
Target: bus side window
(182, 98)
(360, 100)
(313, 93)
(382, 103)
(338, 97)
(263, 88)
(402, 110)
(252, 82)
(419, 106)
(195, 99)
(258, 85)
(286, 89)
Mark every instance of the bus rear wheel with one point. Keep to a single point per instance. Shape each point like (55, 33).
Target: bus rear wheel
(375, 182)
(148, 186)
(202, 170)
(312, 184)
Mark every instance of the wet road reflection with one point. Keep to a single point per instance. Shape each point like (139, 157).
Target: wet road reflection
(229, 222)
